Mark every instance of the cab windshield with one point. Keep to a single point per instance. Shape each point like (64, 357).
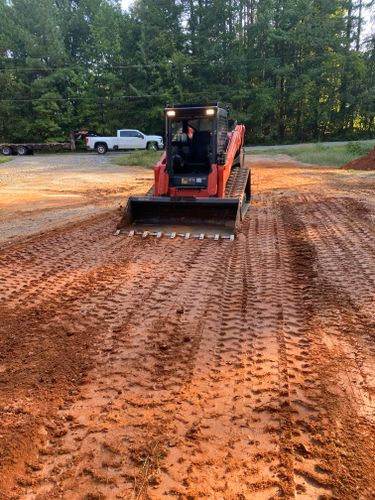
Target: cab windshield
(191, 144)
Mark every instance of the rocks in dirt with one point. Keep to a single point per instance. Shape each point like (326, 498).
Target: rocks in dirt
(94, 496)
(193, 432)
(33, 466)
(59, 433)
(16, 410)
(154, 480)
(366, 162)
(302, 449)
(25, 482)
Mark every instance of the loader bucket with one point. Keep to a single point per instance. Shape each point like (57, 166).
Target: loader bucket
(181, 216)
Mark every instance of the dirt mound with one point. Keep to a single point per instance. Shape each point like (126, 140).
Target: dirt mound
(366, 162)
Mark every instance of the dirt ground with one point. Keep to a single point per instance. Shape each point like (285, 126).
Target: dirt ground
(41, 192)
(195, 369)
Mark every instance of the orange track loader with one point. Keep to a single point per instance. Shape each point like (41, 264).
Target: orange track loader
(202, 186)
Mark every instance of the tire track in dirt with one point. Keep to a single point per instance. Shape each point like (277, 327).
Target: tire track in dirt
(281, 330)
(40, 340)
(226, 398)
(193, 369)
(254, 423)
(139, 388)
(338, 332)
(351, 240)
(342, 245)
(52, 263)
(210, 423)
(75, 315)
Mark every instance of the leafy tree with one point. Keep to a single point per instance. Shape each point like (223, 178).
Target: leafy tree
(293, 70)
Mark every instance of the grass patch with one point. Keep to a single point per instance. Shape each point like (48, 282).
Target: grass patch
(318, 154)
(4, 159)
(145, 159)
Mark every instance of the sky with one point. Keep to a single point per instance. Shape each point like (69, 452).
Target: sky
(126, 3)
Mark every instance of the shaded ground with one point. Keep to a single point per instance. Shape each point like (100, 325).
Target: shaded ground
(196, 369)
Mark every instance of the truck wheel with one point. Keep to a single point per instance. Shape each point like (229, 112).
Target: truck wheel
(22, 150)
(101, 149)
(152, 146)
(6, 150)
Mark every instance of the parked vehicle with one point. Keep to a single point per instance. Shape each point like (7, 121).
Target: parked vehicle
(28, 148)
(125, 139)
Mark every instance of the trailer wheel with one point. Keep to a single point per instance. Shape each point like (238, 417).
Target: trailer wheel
(22, 150)
(6, 150)
(101, 149)
(152, 146)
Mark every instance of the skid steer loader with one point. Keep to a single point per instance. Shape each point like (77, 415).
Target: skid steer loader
(202, 186)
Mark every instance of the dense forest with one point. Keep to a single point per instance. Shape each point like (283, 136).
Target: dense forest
(293, 70)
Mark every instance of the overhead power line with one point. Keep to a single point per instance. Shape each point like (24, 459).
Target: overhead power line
(126, 66)
(109, 98)
(53, 68)
(76, 98)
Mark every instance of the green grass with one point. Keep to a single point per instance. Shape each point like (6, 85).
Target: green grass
(318, 154)
(145, 159)
(4, 159)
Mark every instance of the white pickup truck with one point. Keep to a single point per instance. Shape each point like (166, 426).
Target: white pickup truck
(126, 139)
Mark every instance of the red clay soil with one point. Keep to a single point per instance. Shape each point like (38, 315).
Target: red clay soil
(181, 369)
(366, 162)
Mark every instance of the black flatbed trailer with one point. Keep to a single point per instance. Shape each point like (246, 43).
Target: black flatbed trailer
(26, 148)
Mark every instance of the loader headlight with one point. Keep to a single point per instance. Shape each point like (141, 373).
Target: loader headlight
(210, 112)
(171, 112)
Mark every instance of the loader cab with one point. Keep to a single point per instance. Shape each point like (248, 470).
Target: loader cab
(196, 139)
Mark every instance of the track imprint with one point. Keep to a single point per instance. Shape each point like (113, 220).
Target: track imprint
(194, 369)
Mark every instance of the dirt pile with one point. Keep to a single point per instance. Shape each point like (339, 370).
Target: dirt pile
(366, 162)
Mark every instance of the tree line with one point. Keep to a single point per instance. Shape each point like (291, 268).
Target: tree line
(293, 70)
